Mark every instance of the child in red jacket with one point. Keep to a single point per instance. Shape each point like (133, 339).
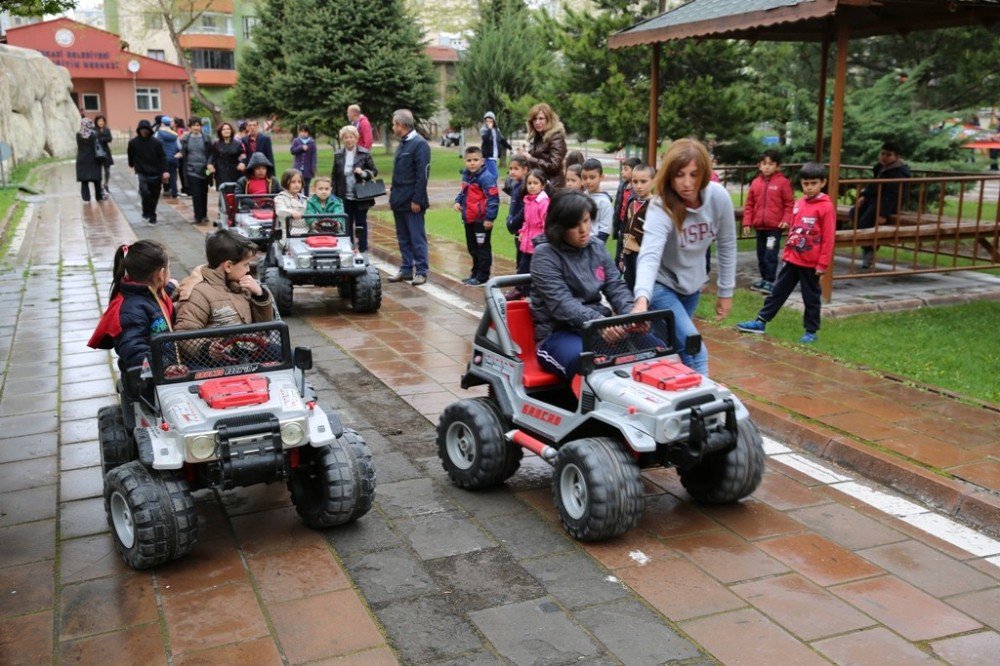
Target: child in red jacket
(479, 203)
(768, 210)
(807, 255)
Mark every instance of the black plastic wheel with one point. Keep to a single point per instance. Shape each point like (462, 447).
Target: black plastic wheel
(335, 484)
(117, 443)
(344, 289)
(366, 292)
(151, 514)
(472, 447)
(597, 489)
(727, 477)
(281, 289)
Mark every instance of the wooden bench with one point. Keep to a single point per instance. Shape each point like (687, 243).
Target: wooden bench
(908, 227)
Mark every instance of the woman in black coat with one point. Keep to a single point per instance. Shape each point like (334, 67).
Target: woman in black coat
(88, 168)
(228, 158)
(105, 138)
(352, 164)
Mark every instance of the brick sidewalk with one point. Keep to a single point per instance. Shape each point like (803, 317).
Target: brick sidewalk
(924, 444)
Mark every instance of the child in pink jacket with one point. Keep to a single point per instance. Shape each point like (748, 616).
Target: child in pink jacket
(536, 207)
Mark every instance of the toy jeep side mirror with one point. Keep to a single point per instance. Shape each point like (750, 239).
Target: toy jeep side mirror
(303, 358)
(692, 345)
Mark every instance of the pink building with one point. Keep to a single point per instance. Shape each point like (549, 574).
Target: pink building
(107, 79)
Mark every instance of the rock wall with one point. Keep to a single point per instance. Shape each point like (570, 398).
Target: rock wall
(37, 115)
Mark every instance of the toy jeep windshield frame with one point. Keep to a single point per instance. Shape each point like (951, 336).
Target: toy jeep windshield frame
(239, 350)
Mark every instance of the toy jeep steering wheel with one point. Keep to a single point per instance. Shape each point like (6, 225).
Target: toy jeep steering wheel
(328, 225)
(239, 348)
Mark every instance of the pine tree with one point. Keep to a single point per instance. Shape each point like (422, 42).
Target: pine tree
(310, 59)
(502, 65)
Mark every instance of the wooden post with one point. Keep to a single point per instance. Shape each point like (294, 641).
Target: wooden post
(821, 102)
(837, 130)
(654, 105)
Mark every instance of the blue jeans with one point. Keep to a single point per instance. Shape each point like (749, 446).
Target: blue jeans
(412, 239)
(172, 170)
(683, 308)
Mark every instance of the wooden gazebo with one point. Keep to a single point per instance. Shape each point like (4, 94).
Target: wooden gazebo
(824, 21)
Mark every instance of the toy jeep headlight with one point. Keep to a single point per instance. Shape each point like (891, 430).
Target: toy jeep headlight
(670, 429)
(292, 434)
(201, 447)
(303, 261)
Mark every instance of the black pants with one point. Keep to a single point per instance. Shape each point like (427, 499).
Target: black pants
(149, 192)
(357, 222)
(477, 242)
(628, 272)
(106, 183)
(85, 189)
(789, 276)
(198, 189)
(524, 267)
(866, 217)
(767, 257)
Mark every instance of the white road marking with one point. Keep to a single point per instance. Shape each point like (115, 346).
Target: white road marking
(433, 290)
(773, 447)
(921, 517)
(810, 468)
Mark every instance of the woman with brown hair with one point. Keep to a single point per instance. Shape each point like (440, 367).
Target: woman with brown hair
(546, 147)
(688, 213)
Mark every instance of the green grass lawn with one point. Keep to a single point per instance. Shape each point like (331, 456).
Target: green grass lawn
(951, 347)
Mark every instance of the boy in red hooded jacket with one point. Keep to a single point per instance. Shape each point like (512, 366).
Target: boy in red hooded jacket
(807, 255)
(768, 210)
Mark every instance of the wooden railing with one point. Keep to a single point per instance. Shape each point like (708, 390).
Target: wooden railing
(946, 221)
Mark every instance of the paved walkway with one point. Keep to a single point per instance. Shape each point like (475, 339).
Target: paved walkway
(803, 572)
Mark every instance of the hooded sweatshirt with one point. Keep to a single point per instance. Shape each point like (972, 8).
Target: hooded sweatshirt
(145, 153)
(810, 238)
(567, 284)
(677, 261)
(769, 202)
(271, 183)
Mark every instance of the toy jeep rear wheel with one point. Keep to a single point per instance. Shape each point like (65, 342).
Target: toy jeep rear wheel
(727, 477)
(472, 447)
(366, 292)
(334, 484)
(281, 288)
(597, 489)
(151, 514)
(117, 443)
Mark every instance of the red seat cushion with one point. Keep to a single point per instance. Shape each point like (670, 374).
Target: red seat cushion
(522, 331)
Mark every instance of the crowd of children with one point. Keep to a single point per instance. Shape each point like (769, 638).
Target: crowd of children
(222, 292)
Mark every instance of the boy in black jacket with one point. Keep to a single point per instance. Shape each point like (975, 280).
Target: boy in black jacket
(146, 157)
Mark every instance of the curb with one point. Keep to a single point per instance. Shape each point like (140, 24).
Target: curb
(963, 501)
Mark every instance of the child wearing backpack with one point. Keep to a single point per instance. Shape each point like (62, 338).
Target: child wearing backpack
(479, 203)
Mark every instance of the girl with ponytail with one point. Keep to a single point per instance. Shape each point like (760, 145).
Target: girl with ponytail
(141, 303)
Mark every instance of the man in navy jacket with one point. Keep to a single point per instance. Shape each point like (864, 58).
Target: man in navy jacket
(256, 142)
(408, 197)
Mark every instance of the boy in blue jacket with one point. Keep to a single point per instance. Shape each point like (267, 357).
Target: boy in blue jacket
(478, 202)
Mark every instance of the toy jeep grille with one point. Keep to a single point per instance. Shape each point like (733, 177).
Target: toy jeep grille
(226, 392)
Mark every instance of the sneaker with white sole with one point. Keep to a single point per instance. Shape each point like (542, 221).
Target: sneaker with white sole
(808, 338)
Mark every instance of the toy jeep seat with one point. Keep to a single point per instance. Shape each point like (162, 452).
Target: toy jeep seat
(522, 332)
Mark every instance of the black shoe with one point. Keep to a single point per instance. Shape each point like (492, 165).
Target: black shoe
(419, 280)
(402, 277)
(151, 220)
(473, 282)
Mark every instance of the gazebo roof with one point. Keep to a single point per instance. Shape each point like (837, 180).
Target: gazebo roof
(803, 20)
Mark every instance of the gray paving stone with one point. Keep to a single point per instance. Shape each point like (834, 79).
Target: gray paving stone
(82, 409)
(477, 658)
(16, 404)
(485, 503)
(535, 632)
(31, 385)
(90, 373)
(82, 518)
(486, 578)
(19, 369)
(78, 456)
(526, 535)
(635, 634)
(81, 483)
(27, 505)
(92, 389)
(389, 575)
(575, 579)
(366, 535)
(28, 447)
(443, 535)
(29, 473)
(406, 499)
(427, 628)
(393, 466)
(84, 430)
(375, 441)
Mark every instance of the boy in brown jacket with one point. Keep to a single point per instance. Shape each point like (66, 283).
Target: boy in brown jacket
(222, 292)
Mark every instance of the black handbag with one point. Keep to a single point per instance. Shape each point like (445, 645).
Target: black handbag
(369, 189)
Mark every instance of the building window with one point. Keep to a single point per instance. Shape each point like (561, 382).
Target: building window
(147, 99)
(156, 54)
(91, 102)
(152, 21)
(249, 23)
(208, 23)
(211, 59)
